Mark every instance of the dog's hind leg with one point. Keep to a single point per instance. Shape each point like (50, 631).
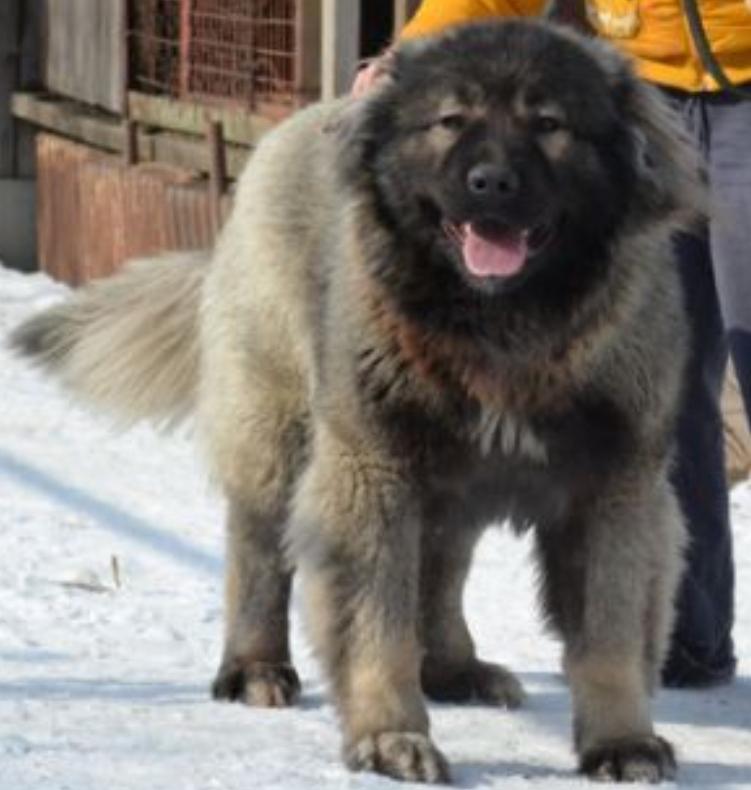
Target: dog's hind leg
(255, 436)
(451, 670)
(256, 667)
(598, 573)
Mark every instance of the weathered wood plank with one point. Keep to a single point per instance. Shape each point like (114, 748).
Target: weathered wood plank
(85, 58)
(81, 123)
(96, 212)
(186, 152)
(239, 125)
(70, 119)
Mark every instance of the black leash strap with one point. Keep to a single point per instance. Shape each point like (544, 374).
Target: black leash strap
(699, 35)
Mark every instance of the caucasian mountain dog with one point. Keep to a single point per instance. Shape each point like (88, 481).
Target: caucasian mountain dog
(449, 303)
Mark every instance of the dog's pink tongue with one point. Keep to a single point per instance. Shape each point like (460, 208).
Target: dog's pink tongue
(499, 255)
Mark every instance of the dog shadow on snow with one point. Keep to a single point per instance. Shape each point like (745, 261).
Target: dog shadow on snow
(107, 515)
(548, 708)
(113, 690)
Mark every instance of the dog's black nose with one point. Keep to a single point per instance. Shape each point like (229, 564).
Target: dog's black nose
(490, 181)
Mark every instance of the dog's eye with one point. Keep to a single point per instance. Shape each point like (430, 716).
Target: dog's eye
(453, 122)
(547, 124)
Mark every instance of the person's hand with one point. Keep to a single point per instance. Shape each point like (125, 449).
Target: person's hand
(371, 74)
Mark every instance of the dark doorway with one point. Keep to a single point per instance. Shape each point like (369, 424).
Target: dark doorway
(376, 26)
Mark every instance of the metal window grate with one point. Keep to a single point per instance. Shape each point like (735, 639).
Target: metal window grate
(244, 52)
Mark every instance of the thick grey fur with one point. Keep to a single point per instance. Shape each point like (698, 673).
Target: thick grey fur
(368, 409)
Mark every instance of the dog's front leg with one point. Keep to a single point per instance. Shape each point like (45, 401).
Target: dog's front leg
(355, 537)
(603, 572)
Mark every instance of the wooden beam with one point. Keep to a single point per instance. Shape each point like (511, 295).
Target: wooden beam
(217, 171)
(239, 126)
(308, 45)
(340, 46)
(70, 119)
(191, 154)
(78, 122)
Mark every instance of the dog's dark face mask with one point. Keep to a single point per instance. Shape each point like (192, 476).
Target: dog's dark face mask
(511, 154)
(494, 183)
(500, 151)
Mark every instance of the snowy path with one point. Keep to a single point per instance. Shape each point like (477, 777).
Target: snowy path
(108, 689)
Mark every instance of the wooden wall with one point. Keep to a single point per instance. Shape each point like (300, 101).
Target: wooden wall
(95, 212)
(20, 46)
(85, 51)
(9, 22)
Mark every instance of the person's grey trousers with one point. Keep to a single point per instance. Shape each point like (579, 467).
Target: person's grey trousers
(716, 273)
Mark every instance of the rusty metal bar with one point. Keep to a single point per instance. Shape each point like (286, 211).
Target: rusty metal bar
(218, 170)
(130, 149)
(186, 29)
(125, 54)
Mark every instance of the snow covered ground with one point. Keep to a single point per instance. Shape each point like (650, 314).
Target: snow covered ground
(104, 675)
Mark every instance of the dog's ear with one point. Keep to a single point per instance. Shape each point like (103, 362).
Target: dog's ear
(357, 124)
(352, 110)
(669, 167)
(348, 120)
(670, 172)
(361, 122)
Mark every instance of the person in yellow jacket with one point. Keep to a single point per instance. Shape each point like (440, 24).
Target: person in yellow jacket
(715, 266)
(655, 32)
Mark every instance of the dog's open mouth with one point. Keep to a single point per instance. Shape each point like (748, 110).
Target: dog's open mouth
(494, 249)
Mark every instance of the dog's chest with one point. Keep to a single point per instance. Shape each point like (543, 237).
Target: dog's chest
(494, 432)
(501, 469)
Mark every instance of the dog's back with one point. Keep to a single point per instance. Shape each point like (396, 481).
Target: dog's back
(130, 345)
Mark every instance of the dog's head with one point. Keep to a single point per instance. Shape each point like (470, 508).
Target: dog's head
(506, 149)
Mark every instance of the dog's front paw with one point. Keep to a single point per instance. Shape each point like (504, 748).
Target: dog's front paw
(481, 681)
(638, 759)
(409, 756)
(257, 683)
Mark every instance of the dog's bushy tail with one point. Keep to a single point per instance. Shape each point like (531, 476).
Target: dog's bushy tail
(127, 344)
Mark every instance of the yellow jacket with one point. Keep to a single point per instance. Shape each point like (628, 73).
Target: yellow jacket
(654, 32)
